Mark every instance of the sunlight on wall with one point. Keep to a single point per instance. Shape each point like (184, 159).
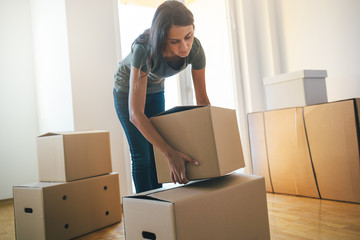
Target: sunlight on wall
(211, 28)
(51, 63)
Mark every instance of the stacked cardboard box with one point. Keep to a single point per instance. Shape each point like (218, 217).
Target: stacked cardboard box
(223, 205)
(294, 89)
(309, 151)
(77, 192)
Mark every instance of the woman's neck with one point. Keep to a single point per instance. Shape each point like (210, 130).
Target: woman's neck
(174, 61)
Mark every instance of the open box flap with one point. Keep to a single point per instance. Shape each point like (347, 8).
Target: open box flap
(178, 109)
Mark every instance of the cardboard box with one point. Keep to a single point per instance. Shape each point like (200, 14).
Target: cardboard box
(288, 153)
(296, 89)
(66, 210)
(259, 158)
(208, 134)
(68, 156)
(333, 132)
(226, 208)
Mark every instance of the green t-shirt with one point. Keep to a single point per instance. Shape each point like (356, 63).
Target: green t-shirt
(159, 69)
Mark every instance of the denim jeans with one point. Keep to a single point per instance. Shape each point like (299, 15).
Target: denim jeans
(141, 151)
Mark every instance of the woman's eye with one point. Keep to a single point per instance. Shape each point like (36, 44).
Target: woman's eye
(173, 42)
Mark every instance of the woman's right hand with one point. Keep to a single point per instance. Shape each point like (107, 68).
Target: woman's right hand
(177, 163)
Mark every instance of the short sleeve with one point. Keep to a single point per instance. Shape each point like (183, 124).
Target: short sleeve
(198, 59)
(138, 58)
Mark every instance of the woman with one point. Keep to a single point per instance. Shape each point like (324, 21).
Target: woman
(161, 51)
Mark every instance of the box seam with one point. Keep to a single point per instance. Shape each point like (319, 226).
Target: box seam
(308, 145)
(357, 121)
(65, 162)
(214, 139)
(267, 155)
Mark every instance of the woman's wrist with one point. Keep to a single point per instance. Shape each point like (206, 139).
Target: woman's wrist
(169, 153)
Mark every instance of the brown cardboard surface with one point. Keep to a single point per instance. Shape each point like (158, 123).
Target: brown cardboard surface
(83, 206)
(288, 153)
(259, 158)
(227, 208)
(227, 139)
(73, 155)
(334, 146)
(208, 134)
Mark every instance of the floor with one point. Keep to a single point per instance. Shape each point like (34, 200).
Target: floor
(290, 218)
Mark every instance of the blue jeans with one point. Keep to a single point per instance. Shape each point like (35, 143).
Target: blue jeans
(142, 154)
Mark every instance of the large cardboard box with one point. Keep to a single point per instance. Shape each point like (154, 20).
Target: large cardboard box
(226, 208)
(208, 134)
(333, 132)
(66, 210)
(67, 156)
(259, 157)
(295, 89)
(288, 153)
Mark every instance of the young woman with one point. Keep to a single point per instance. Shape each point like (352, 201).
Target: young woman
(161, 51)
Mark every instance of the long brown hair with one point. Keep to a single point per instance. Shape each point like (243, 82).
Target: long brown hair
(167, 14)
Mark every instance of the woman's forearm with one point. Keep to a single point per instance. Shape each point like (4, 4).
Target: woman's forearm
(143, 124)
(200, 87)
(137, 98)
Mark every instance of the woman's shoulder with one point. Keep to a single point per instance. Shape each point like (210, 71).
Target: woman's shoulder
(196, 48)
(197, 55)
(139, 53)
(139, 47)
(196, 43)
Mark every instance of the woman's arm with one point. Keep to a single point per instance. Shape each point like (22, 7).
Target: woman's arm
(200, 87)
(137, 98)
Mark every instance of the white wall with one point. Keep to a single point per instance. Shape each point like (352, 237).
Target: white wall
(52, 70)
(94, 51)
(211, 28)
(324, 34)
(18, 120)
(279, 36)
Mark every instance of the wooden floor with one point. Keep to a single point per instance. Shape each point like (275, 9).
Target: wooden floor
(290, 217)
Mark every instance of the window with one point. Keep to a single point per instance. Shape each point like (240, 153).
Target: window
(211, 28)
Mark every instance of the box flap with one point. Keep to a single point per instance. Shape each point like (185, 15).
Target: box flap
(179, 109)
(147, 197)
(49, 134)
(38, 185)
(198, 189)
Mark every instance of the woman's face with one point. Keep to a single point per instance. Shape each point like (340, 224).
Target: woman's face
(179, 41)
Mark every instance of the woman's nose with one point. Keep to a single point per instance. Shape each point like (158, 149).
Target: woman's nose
(184, 46)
